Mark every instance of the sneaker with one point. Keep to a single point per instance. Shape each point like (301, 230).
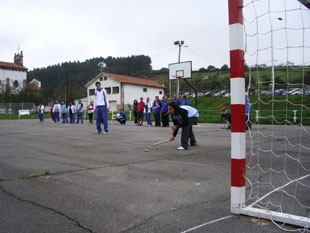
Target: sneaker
(180, 148)
(194, 144)
(105, 132)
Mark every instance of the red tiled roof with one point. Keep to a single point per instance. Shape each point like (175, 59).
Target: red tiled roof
(12, 66)
(133, 80)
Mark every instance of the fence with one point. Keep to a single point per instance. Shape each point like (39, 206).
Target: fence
(206, 116)
(12, 108)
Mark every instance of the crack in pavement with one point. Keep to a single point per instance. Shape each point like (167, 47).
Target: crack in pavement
(45, 208)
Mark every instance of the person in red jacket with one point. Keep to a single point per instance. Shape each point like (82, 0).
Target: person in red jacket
(90, 111)
(140, 111)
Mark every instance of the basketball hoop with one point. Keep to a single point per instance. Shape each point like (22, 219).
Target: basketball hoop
(179, 77)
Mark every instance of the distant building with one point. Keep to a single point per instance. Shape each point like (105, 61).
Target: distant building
(35, 82)
(123, 90)
(13, 75)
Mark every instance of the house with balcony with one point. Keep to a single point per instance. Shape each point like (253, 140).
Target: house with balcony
(123, 90)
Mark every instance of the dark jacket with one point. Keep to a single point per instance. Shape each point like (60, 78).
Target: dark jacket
(179, 119)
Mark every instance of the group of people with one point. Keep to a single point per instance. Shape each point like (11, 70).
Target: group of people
(159, 108)
(60, 111)
(100, 106)
(182, 116)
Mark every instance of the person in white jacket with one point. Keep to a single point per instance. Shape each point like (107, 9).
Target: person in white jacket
(101, 108)
(72, 111)
(193, 115)
(148, 110)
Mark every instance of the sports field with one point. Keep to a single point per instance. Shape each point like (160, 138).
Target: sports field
(67, 178)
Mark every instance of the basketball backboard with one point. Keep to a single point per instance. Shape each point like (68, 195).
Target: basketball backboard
(181, 69)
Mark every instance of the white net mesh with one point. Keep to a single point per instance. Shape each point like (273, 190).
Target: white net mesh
(277, 54)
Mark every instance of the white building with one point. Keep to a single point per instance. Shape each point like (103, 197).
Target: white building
(13, 75)
(123, 90)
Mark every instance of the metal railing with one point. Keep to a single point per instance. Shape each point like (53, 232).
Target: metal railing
(12, 108)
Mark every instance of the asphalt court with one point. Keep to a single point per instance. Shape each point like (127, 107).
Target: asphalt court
(117, 182)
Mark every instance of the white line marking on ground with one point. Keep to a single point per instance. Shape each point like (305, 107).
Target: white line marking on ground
(207, 223)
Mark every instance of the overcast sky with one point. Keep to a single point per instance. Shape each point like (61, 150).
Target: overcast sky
(52, 32)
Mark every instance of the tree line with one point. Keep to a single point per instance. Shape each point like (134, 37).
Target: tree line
(67, 80)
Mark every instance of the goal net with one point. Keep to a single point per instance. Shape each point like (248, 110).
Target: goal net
(270, 66)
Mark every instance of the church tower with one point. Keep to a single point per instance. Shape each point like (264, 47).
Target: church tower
(18, 58)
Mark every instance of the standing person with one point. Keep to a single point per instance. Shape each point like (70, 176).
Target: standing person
(121, 117)
(101, 108)
(41, 112)
(148, 109)
(164, 112)
(223, 110)
(90, 111)
(157, 110)
(248, 113)
(140, 111)
(180, 119)
(79, 112)
(185, 100)
(193, 115)
(71, 110)
(64, 112)
(52, 112)
(135, 111)
(176, 100)
(56, 110)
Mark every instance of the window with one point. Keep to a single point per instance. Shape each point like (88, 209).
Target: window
(91, 91)
(15, 83)
(144, 89)
(108, 89)
(160, 92)
(115, 90)
(103, 78)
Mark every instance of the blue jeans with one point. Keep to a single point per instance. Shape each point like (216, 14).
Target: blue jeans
(72, 118)
(41, 114)
(148, 118)
(79, 117)
(64, 118)
(56, 117)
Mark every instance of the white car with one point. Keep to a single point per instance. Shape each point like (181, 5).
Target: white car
(294, 91)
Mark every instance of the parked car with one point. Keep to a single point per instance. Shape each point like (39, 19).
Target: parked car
(220, 93)
(265, 93)
(208, 94)
(292, 91)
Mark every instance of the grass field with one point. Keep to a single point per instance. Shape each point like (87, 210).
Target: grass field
(282, 108)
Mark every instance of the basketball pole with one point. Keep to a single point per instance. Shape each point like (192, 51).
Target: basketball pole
(179, 43)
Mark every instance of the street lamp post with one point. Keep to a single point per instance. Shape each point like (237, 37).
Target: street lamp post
(179, 43)
(272, 58)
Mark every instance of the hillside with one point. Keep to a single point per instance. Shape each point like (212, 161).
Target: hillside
(68, 79)
(205, 81)
(209, 108)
